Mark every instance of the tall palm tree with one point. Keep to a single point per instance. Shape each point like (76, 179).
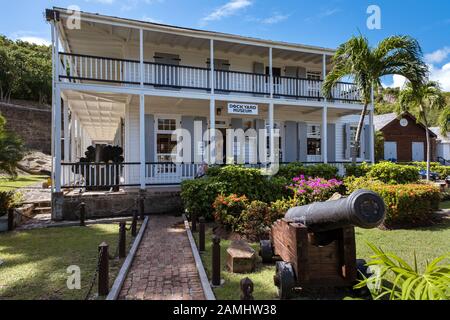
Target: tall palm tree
(419, 100)
(396, 55)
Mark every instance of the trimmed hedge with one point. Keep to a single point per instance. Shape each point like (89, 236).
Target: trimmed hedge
(9, 199)
(199, 195)
(386, 172)
(406, 204)
(295, 169)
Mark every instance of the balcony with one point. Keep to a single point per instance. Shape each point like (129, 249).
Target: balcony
(77, 68)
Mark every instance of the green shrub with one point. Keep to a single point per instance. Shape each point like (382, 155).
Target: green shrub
(296, 169)
(406, 204)
(282, 206)
(408, 283)
(257, 218)
(392, 173)
(198, 195)
(357, 170)
(9, 199)
(228, 211)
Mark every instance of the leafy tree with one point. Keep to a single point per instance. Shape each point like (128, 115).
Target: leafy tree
(396, 55)
(11, 149)
(420, 99)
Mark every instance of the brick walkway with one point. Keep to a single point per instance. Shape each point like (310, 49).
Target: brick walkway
(164, 267)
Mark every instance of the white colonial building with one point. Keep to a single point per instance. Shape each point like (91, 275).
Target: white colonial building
(132, 83)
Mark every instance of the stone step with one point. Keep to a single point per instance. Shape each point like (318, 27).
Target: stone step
(42, 210)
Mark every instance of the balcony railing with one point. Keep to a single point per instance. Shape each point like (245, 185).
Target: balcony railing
(106, 176)
(83, 68)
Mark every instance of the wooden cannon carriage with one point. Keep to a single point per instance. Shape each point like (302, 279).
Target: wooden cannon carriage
(316, 243)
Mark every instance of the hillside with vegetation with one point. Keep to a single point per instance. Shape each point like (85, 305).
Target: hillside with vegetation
(387, 101)
(25, 71)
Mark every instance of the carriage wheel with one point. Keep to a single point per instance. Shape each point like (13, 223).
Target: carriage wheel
(284, 279)
(266, 251)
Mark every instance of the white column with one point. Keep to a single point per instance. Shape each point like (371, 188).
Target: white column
(271, 108)
(57, 116)
(212, 108)
(142, 140)
(58, 159)
(66, 133)
(72, 138)
(53, 103)
(324, 131)
(142, 115)
(372, 128)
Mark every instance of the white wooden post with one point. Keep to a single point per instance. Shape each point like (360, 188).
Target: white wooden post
(212, 108)
(372, 128)
(53, 104)
(324, 131)
(66, 133)
(271, 109)
(72, 137)
(57, 115)
(142, 115)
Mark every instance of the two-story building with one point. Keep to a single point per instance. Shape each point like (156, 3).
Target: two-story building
(133, 83)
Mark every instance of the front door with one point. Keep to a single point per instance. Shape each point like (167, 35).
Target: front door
(418, 153)
(390, 150)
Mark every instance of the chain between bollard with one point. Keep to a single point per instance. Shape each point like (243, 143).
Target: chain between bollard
(94, 278)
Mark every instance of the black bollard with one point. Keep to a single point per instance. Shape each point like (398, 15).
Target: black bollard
(201, 235)
(142, 208)
(10, 219)
(103, 270)
(82, 214)
(215, 279)
(122, 240)
(194, 222)
(134, 224)
(247, 289)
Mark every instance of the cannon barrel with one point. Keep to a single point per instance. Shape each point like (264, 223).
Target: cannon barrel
(363, 208)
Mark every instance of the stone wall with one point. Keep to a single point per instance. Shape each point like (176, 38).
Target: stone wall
(110, 205)
(32, 122)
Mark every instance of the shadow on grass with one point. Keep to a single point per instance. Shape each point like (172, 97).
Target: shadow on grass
(35, 262)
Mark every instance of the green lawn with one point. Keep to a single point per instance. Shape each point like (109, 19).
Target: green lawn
(7, 184)
(427, 243)
(35, 262)
(445, 205)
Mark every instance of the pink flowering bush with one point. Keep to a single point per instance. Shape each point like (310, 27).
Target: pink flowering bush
(309, 190)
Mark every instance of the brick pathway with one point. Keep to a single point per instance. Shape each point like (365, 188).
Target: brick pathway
(164, 267)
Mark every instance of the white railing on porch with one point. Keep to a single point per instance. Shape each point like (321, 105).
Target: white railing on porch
(82, 68)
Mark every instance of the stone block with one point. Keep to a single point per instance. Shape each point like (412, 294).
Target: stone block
(241, 258)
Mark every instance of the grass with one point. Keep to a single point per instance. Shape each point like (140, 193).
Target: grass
(35, 262)
(7, 184)
(445, 205)
(427, 243)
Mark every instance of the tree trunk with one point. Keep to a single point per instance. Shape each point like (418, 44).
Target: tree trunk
(357, 143)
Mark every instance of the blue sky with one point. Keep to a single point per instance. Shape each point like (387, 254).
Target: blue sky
(322, 23)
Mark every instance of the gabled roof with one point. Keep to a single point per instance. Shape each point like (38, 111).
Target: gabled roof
(381, 121)
(442, 138)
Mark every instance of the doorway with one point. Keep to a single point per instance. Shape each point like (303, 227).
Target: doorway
(418, 153)
(390, 151)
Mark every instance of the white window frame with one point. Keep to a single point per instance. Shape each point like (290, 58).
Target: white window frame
(314, 157)
(157, 131)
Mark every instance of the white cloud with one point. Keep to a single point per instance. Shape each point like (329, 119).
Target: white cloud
(323, 14)
(397, 82)
(275, 18)
(35, 40)
(150, 19)
(437, 56)
(230, 8)
(101, 1)
(441, 75)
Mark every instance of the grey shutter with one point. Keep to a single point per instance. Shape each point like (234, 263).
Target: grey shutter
(291, 145)
(204, 122)
(149, 138)
(301, 72)
(347, 142)
(167, 58)
(303, 141)
(331, 142)
(291, 72)
(259, 125)
(367, 142)
(258, 68)
(187, 122)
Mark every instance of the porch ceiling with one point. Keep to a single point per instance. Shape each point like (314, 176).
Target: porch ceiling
(99, 113)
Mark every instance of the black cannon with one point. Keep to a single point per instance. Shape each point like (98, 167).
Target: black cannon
(316, 243)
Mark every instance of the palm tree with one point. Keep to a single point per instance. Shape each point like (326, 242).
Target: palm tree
(396, 55)
(419, 100)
